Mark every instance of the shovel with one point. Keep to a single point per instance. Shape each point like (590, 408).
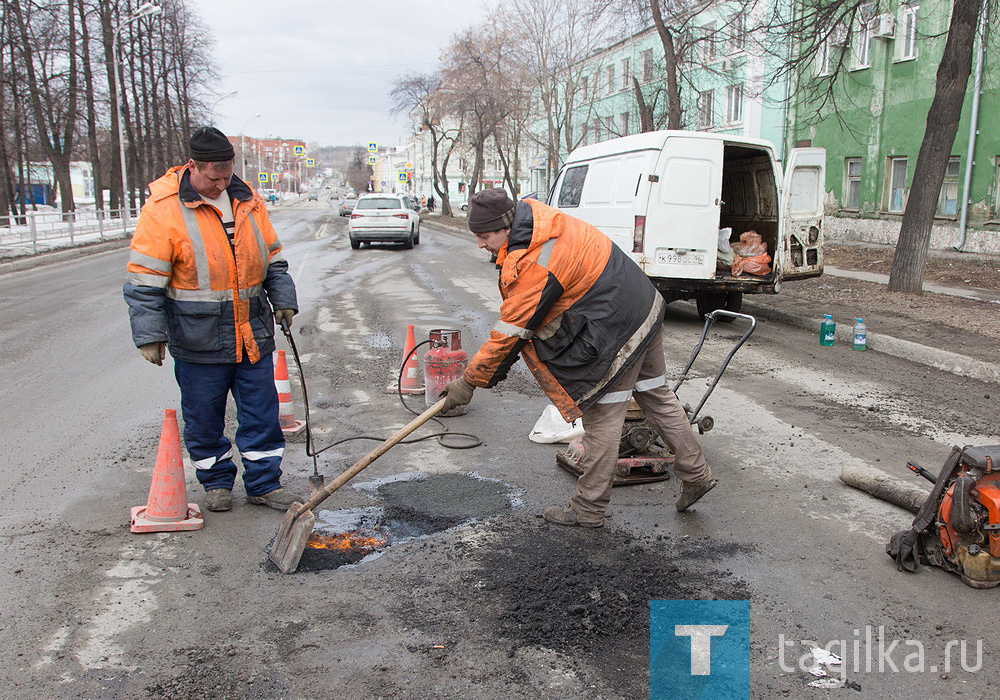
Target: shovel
(299, 520)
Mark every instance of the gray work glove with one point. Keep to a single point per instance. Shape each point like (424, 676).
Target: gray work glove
(285, 314)
(457, 393)
(154, 352)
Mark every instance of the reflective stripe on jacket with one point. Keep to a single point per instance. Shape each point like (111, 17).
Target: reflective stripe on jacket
(576, 307)
(211, 302)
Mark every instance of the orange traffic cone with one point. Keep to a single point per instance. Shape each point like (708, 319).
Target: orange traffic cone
(167, 509)
(286, 407)
(410, 383)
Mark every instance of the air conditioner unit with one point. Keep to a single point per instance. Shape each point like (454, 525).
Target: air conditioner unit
(884, 26)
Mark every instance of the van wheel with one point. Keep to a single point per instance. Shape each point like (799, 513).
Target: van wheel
(730, 301)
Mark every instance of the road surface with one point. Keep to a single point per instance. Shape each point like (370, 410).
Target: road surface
(476, 597)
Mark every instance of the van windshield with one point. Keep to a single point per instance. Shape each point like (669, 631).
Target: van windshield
(572, 187)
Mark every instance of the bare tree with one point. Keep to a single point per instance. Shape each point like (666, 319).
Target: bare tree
(428, 105)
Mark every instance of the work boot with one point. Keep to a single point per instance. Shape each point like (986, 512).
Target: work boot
(279, 499)
(565, 515)
(219, 500)
(693, 492)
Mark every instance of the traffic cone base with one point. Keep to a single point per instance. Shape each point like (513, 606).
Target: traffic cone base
(286, 407)
(167, 509)
(142, 523)
(409, 383)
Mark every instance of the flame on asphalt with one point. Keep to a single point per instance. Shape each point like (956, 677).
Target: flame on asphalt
(353, 541)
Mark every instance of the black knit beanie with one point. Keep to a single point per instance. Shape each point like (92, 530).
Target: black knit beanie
(209, 145)
(490, 210)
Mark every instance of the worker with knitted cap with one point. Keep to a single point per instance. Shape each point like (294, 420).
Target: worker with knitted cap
(207, 281)
(588, 323)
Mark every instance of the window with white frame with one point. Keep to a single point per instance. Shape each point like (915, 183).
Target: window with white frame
(706, 114)
(584, 84)
(609, 72)
(908, 30)
(624, 123)
(707, 42)
(823, 52)
(896, 194)
(852, 184)
(863, 36)
(734, 104)
(948, 200)
(647, 65)
(737, 33)
(598, 129)
(626, 73)
(609, 127)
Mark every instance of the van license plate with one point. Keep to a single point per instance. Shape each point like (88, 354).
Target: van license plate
(668, 258)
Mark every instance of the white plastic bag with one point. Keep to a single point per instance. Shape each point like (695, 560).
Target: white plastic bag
(550, 427)
(725, 255)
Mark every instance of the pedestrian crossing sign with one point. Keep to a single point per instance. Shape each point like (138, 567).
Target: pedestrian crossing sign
(310, 162)
(299, 150)
(372, 147)
(402, 177)
(261, 177)
(372, 160)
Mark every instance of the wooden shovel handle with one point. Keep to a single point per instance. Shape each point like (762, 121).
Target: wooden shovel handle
(328, 490)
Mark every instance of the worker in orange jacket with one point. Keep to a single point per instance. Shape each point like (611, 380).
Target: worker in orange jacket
(207, 279)
(588, 323)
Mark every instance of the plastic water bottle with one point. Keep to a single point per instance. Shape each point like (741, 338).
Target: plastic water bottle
(827, 331)
(860, 335)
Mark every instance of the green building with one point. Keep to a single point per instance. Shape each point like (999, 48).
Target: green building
(881, 97)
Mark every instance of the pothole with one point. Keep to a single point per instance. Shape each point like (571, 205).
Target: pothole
(410, 506)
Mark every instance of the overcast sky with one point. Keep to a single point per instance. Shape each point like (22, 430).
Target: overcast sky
(321, 70)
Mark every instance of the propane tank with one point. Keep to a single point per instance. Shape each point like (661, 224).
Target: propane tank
(443, 363)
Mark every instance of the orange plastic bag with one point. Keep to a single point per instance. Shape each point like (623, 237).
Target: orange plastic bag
(750, 255)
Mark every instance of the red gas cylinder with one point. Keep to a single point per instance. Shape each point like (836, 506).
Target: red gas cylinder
(443, 363)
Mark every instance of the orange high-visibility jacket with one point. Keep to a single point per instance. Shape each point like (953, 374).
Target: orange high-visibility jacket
(575, 306)
(211, 302)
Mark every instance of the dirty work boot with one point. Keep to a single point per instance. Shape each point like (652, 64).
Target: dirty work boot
(565, 515)
(279, 499)
(693, 492)
(219, 500)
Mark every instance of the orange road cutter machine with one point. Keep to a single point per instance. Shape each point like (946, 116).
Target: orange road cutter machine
(642, 456)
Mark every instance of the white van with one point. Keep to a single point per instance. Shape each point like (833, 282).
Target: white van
(664, 196)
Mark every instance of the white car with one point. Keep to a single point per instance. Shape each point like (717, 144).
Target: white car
(383, 218)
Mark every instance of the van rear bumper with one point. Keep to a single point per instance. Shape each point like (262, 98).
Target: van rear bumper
(674, 289)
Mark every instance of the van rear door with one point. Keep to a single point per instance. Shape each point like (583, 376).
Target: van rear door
(802, 213)
(682, 210)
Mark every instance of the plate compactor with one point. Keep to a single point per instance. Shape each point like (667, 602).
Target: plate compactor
(958, 526)
(642, 456)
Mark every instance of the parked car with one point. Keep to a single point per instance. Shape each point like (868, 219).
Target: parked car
(383, 218)
(347, 206)
(674, 200)
(313, 196)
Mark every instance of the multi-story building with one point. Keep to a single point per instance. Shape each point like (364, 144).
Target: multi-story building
(882, 94)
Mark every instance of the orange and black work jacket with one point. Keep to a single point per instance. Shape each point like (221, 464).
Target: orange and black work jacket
(210, 300)
(575, 306)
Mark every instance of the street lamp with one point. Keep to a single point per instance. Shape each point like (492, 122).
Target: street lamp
(211, 115)
(146, 10)
(243, 154)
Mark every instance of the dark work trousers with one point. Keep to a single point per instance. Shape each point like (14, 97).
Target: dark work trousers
(204, 391)
(646, 380)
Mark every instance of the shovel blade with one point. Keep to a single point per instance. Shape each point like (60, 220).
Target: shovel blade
(291, 539)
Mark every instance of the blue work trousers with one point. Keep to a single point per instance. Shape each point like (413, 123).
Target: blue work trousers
(204, 391)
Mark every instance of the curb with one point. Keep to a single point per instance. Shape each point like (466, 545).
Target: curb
(944, 360)
(27, 262)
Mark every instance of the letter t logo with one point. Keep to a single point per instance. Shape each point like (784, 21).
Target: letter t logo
(701, 645)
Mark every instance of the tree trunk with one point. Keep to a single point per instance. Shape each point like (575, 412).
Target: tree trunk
(115, 178)
(88, 86)
(674, 111)
(907, 272)
(645, 110)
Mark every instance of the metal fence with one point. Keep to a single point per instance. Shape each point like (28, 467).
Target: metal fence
(38, 231)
